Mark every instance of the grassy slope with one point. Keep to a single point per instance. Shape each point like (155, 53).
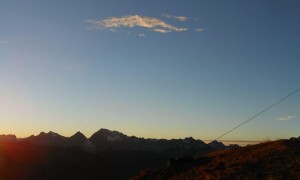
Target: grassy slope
(270, 160)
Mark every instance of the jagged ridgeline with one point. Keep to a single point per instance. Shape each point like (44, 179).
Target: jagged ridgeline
(52, 156)
(114, 155)
(105, 139)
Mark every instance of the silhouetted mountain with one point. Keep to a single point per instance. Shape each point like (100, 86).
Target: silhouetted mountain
(220, 146)
(232, 146)
(105, 155)
(104, 140)
(113, 155)
(217, 145)
(77, 139)
(107, 135)
(107, 140)
(47, 139)
(8, 138)
(270, 160)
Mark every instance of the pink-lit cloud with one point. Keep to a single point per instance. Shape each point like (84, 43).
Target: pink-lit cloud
(131, 21)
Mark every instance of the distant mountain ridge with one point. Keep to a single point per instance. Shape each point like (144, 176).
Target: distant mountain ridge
(220, 146)
(113, 155)
(105, 139)
(105, 155)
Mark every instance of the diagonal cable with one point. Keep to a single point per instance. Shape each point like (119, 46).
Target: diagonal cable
(261, 112)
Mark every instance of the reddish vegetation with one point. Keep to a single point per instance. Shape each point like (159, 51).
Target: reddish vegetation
(270, 160)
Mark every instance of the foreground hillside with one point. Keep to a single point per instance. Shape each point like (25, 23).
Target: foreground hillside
(271, 160)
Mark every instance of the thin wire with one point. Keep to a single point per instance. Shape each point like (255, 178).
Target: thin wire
(290, 94)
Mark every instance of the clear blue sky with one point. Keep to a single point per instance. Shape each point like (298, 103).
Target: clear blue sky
(157, 69)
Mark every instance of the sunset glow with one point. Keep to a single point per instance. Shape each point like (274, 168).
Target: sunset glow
(153, 69)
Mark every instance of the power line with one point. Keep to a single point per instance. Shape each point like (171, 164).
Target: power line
(261, 112)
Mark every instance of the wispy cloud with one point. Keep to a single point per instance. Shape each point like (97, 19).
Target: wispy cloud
(199, 30)
(161, 30)
(287, 118)
(179, 18)
(2, 42)
(131, 21)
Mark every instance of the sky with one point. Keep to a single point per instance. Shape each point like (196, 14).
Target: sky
(153, 69)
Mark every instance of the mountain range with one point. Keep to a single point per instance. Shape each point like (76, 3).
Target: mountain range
(105, 155)
(113, 155)
(105, 139)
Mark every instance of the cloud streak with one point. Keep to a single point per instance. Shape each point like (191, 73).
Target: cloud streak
(199, 30)
(131, 21)
(287, 118)
(179, 18)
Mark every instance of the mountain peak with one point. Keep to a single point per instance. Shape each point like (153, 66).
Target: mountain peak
(41, 134)
(79, 135)
(107, 132)
(53, 134)
(189, 139)
(217, 145)
(103, 130)
(104, 135)
(77, 139)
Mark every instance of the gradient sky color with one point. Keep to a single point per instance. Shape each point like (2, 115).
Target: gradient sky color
(153, 69)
